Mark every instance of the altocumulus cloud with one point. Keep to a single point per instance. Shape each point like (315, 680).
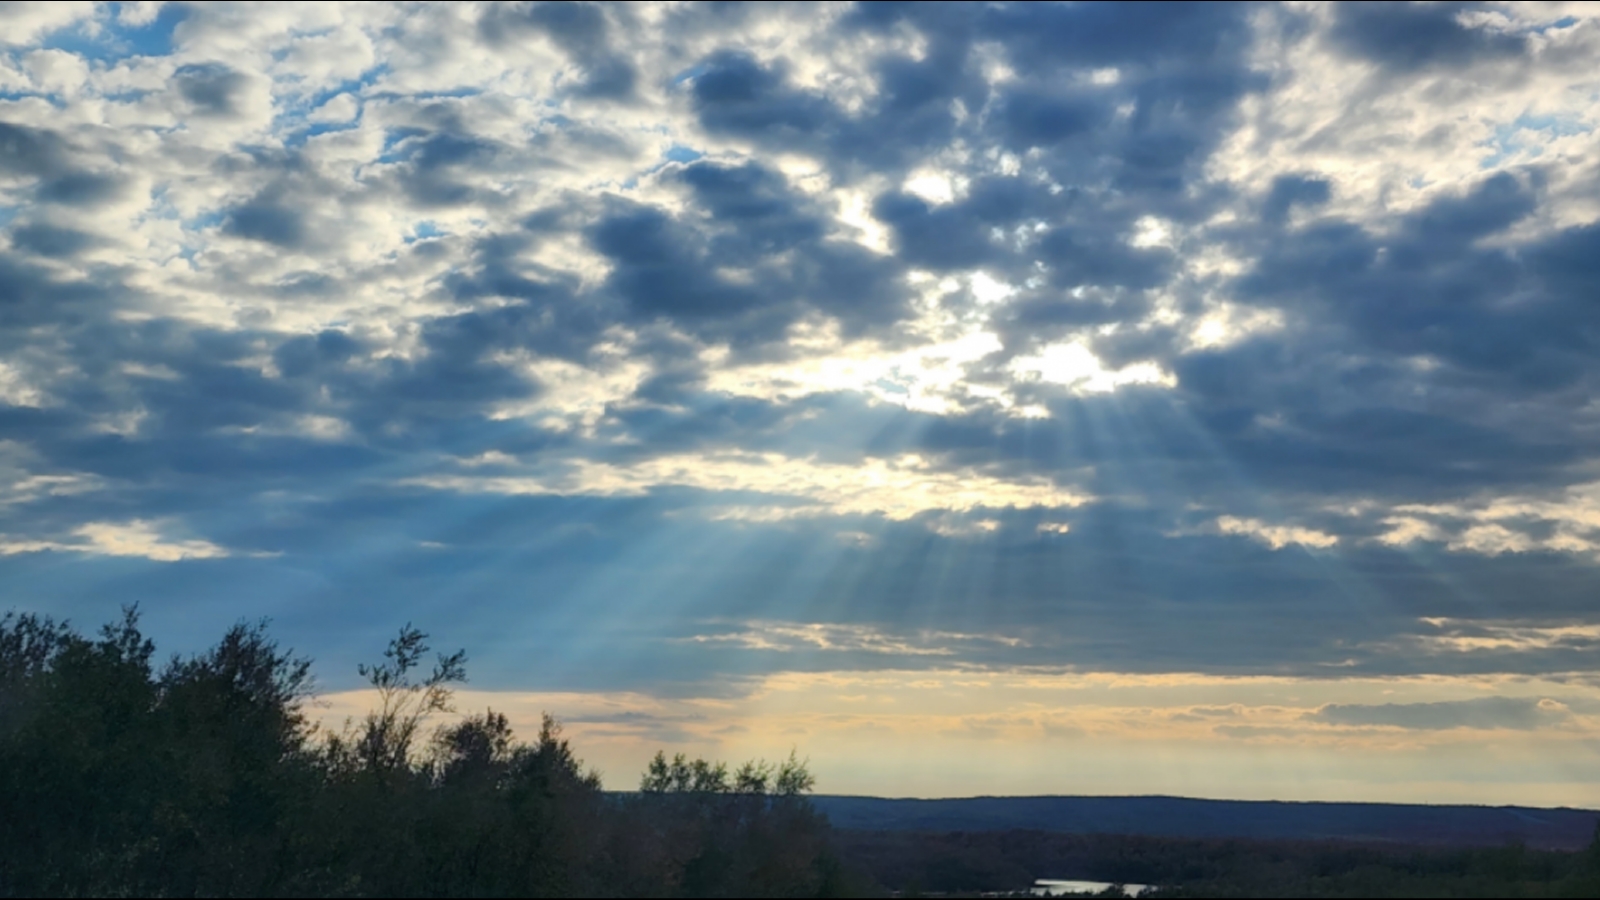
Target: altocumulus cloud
(665, 335)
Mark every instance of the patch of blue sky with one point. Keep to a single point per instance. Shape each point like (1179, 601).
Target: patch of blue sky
(107, 40)
(296, 111)
(676, 154)
(209, 219)
(161, 203)
(14, 96)
(298, 138)
(892, 387)
(1558, 126)
(450, 94)
(350, 86)
(690, 74)
(424, 230)
(77, 40)
(393, 138)
(315, 98)
(1512, 139)
(680, 154)
(1557, 25)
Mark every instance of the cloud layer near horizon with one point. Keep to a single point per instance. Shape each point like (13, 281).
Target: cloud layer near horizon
(668, 348)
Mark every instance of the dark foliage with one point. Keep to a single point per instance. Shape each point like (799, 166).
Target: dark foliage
(205, 777)
(1009, 861)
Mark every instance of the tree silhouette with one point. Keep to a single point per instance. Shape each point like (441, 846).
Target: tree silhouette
(388, 733)
(207, 777)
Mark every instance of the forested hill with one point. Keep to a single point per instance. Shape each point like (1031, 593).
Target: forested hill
(1565, 829)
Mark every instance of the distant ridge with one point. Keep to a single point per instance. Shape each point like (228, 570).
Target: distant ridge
(1555, 829)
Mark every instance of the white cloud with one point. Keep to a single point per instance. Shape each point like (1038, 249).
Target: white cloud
(1468, 636)
(341, 108)
(1568, 522)
(1074, 366)
(932, 186)
(896, 489)
(789, 637)
(16, 389)
(1492, 540)
(963, 527)
(26, 477)
(1392, 143)
(1225, 324)
(56, 71)
(574, 396)
(134, 538)
(27, 22)
(1276, 536)
(930, 376)
(1405, 530)
(141, 538)
(136, 13)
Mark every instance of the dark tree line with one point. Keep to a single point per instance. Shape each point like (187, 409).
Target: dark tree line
(122, 776)
(205, 777)
(967, 864)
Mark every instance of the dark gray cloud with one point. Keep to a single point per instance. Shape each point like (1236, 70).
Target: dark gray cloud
(50, 161)
(1407, 36)
(1182, 76)
(32, 297)
(1031, 117)
(212, 89)
(749, 221)
(580, 31)
(267, 221)
(1291, 191)
(79, 189)
(50, 240)
(735, 95)
(30, 151)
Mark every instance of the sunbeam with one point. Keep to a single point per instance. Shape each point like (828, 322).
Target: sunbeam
(977, 397)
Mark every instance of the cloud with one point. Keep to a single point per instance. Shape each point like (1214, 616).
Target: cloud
(1408, 36)
(895, 489)
(27, 22)
(212, 89)
(1485, 713)
(1071, 321)
(136, 538)
(791, 637)
(581, 31)
(1465, 636)
(1275, 536)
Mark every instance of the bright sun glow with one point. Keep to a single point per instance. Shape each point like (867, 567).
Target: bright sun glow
(1073, 366)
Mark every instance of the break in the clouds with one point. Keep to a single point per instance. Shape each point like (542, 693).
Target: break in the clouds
(669, 349)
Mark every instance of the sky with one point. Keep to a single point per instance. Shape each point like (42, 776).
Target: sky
(978, 398)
